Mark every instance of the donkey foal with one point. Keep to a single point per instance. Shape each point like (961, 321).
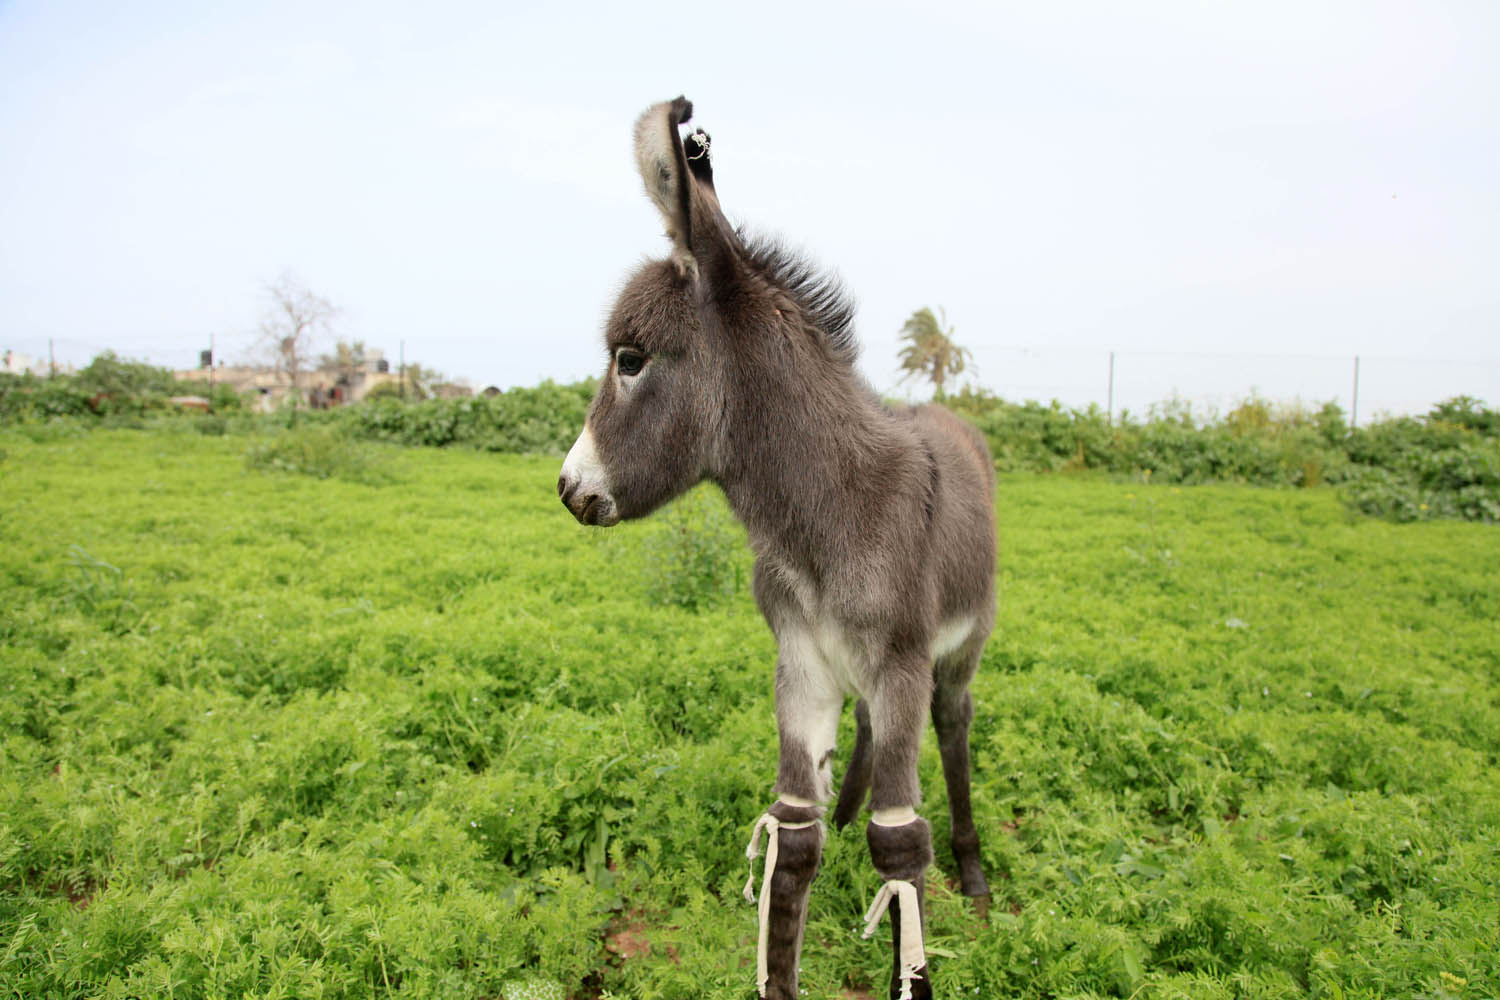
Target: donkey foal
(873, 528)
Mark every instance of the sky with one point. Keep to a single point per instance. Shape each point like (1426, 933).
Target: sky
(1231, 198)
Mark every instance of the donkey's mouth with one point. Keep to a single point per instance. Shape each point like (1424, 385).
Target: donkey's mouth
(599, 511)
(590, 508)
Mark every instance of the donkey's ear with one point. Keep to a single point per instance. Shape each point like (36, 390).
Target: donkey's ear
(680, 180)
(664, 166)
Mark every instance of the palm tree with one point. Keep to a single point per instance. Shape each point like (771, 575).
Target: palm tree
(930, 351)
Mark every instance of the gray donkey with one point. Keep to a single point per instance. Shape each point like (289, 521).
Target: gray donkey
(873, 530)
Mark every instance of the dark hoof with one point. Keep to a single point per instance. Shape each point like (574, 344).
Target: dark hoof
(981, 906)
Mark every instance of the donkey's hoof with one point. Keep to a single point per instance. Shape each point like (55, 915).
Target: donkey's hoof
(981, 906)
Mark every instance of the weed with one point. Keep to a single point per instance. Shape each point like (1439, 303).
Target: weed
(101, 591)
(319, 452)
(694, 555)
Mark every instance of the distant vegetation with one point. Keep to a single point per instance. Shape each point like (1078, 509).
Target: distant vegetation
(110, 387)
(1445, 464)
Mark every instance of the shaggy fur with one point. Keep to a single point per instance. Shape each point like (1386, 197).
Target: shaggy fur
(873, 527)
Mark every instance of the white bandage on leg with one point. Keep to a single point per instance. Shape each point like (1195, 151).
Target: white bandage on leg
(913, 954)
(899, 816)
(771, 825)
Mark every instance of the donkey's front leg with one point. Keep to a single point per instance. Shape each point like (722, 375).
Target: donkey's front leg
(807, 716)
(900, 840)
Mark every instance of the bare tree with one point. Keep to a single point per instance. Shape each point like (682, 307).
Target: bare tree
(293, 318)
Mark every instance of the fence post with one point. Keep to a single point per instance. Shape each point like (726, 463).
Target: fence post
(1354, 410)
(1109, 414)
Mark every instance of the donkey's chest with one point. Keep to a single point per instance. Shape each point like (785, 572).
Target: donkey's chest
(813, 628)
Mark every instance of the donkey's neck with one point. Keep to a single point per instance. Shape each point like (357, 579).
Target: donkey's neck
(805, 458)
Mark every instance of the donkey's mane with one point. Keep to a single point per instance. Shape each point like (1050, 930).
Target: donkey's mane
(819, 294)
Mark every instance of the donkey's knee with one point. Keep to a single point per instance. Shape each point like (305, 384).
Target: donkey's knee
(794, 846)
(900, 844)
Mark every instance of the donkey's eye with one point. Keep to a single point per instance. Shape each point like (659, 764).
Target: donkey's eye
(629, 361)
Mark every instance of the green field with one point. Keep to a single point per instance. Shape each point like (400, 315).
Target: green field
(420, 734)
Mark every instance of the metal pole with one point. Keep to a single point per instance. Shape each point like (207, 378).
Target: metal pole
(210, 371)
(1110, 413)
(51, 360)
(1354, 411)
(403, 369)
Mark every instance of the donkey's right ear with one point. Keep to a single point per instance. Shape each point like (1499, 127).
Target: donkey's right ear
(664, 169)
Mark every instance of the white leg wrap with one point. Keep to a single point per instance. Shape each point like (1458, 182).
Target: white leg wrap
(913, 954)
(899, 816)
(799, 802)
(771, 825)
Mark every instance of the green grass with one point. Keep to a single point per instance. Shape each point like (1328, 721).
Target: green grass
(266, 734)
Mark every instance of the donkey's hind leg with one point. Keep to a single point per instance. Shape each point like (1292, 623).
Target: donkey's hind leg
(952, 712)
(856, 782)
(900, 841)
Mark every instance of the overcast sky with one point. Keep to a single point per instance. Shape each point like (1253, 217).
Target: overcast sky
(1230, 196)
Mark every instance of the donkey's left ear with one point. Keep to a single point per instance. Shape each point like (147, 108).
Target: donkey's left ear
(664, 167)
(680, 182)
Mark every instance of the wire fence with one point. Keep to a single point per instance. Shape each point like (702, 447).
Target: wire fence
(1364, 386)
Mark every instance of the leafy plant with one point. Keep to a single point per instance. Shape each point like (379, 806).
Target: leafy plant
(101, 590)
(694, 555)
(320, 452)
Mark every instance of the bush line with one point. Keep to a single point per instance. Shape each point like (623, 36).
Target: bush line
(1445, 464)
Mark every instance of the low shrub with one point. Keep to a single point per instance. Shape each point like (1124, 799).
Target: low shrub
(111, 387)
(1442, 465)
(1418, 471)
(543, 419)
(320, 452)
(695, 555)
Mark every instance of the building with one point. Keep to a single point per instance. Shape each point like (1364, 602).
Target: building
(16, 363)
(322, 387)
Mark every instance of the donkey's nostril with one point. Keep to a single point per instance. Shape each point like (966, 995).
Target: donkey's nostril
(566, 488)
